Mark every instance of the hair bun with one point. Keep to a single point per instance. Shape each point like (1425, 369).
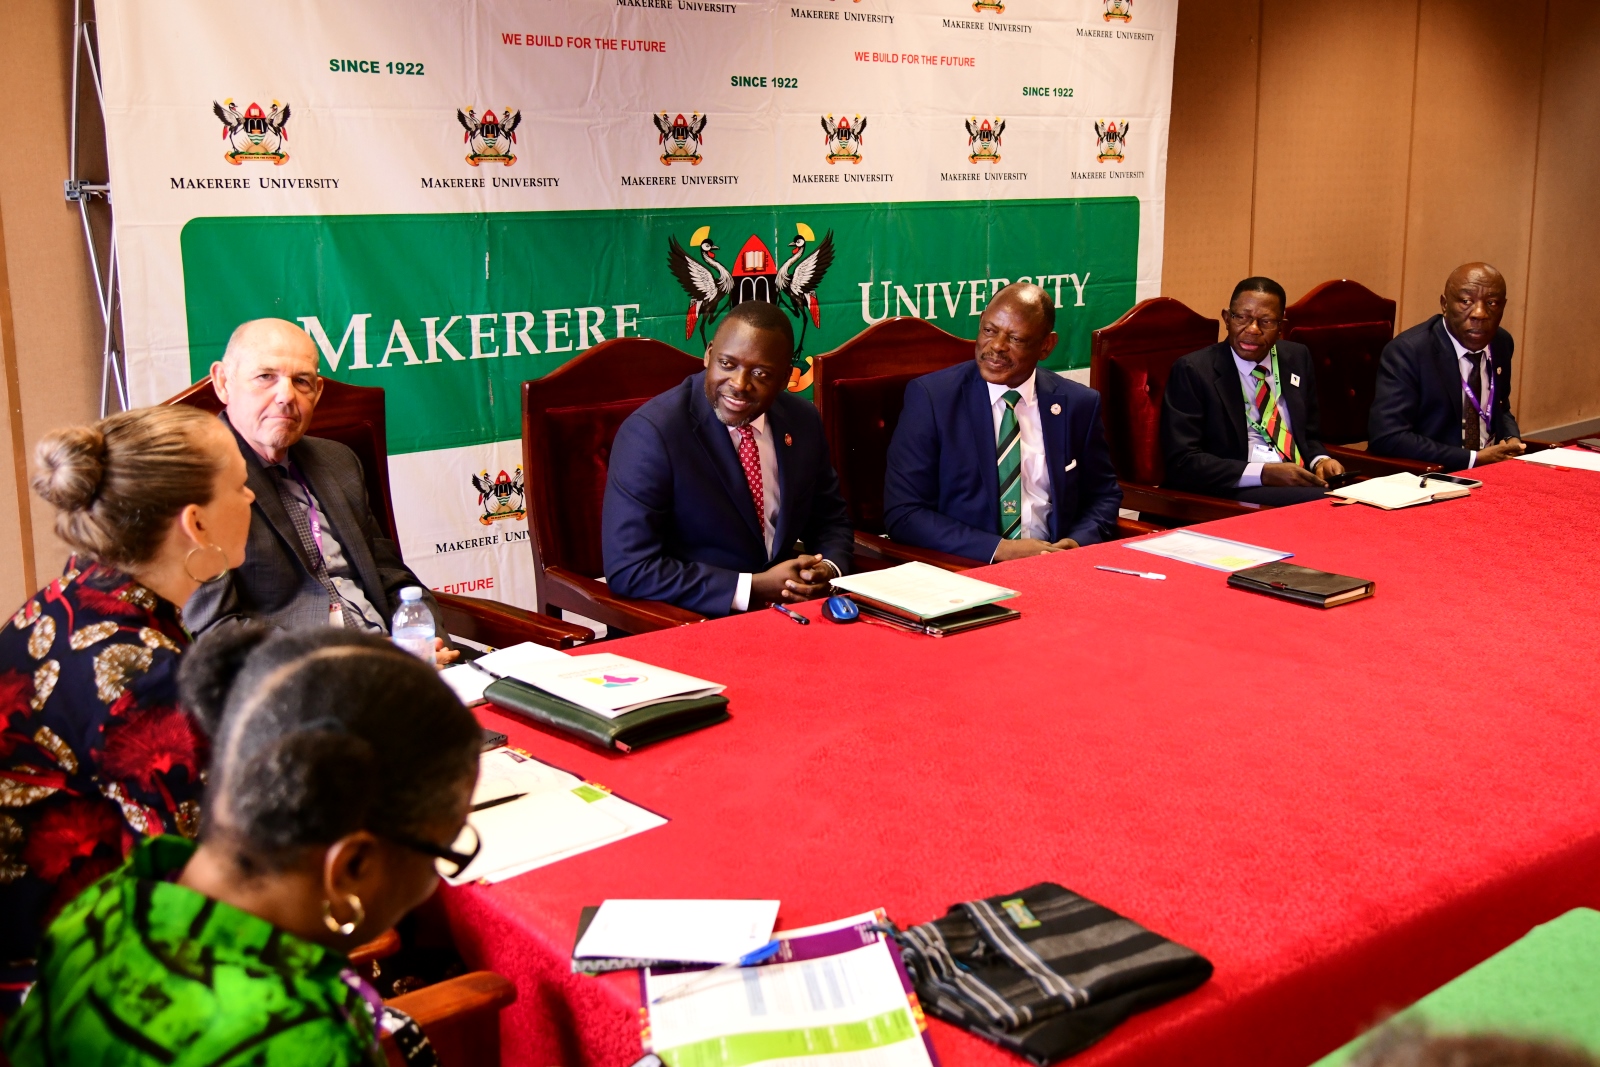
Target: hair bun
(71, 464)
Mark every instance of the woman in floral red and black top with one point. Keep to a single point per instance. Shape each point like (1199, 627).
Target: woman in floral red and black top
(94, 751)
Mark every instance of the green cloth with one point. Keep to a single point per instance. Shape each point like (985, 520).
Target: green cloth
(141, 971)
(1545, 986)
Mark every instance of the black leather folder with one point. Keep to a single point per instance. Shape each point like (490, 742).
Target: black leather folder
(626, 732)
(1301, 584)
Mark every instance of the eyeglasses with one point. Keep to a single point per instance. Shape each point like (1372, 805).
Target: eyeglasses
(1242, 321)
(449, 862)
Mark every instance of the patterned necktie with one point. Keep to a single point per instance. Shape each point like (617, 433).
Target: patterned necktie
(1471, 428)
(750, 460)
(300, 516)
(1008, 450)
(1271, 419)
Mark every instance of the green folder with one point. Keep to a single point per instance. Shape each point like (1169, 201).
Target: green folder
(626, 732)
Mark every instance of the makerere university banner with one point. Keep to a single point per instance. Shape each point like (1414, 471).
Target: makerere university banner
(454, 198)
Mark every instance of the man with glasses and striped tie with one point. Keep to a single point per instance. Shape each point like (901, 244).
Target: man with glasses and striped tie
(999, 458)
(1239, 418)
(1444, 386)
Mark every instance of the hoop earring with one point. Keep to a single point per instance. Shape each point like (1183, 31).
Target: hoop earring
(223, 573)
(337, 927)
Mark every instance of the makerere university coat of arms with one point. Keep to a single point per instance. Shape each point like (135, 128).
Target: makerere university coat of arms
(680, 138)
(1111, 138)
(501, 497)
(254, 135)
(490, 139)
(756, 275)
(1119, 11)
(984, 140)
(843, 139)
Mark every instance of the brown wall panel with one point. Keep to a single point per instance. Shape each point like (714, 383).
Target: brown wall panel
(1558, 371)
(1336, 82)
(1210, 158)
(1473, 148)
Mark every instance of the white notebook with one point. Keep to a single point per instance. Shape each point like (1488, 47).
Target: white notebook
(923, 590)
(611, 685)
(1400, 491)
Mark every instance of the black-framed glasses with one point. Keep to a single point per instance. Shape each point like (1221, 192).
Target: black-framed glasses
(1245, 320)
(449, 862)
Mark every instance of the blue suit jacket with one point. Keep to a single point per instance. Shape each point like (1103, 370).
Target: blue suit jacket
(1416, 408)
(942, 489)
(678, 523)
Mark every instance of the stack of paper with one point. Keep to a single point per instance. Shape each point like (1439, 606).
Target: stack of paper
(683, 931)
(1204, 550)
(837, 991)
(604, 683)
(1400, 491)
(1575, 458)
(555, 816)
(469, 680)
(921, 591)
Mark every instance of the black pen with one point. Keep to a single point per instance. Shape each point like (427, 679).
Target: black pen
(497, 801)
(795, 615)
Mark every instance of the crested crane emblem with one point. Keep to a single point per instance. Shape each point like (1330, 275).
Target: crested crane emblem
(680, 138)
(843, 139)
(500, 497)
(253, 134)
(983, 139)
(1119, 11)
(712, 287)
(1111, 139)
(491, 138)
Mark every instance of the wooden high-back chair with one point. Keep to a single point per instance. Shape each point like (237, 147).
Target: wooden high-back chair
(1345, 325)
(1129, 362)
(354, 416)
(569, 419)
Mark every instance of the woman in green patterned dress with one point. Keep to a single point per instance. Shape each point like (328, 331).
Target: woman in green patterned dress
(341, 774)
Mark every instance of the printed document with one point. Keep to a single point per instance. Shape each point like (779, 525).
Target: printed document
(684, 931)
(1206, 551)
(557, 815)
(1576, 458)
(923, 590)
(841, 995)
(468, 681)
(611, 685)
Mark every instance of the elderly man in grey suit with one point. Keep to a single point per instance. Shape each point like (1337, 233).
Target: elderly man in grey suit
(316, 556)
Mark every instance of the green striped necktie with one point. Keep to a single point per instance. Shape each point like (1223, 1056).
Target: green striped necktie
(1008, 447)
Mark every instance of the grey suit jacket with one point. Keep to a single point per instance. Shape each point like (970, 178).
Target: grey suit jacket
(275, 584)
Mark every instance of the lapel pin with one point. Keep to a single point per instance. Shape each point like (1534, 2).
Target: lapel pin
(788, 439)
(1055, 409)
(1294, 379)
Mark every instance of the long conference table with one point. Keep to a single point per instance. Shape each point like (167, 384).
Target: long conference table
(1341, 809)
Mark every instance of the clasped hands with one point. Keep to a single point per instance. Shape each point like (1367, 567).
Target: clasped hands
(801, 578)
(1293, 474)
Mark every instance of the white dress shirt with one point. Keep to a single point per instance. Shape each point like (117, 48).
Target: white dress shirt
(1262, 451)
(1035, 468)
(1464, 361)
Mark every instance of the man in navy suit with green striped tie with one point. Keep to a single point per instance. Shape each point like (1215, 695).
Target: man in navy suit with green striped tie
(999, 458)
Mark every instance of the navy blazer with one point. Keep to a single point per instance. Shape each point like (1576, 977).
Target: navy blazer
(1204, 439)
(1416, 409)
(942, 488)
(678, 523)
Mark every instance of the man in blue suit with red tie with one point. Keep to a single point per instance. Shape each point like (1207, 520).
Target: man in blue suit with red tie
(712, 483)
(999, 458)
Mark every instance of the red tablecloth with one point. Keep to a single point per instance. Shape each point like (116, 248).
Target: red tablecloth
(1341, 809)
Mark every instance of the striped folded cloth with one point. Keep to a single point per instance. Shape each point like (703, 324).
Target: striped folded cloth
(1045, 972)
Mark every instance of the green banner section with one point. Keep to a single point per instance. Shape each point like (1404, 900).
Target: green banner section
(450, 313)
(737, 1050)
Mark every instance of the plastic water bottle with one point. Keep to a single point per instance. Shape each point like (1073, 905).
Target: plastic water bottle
(413, 625)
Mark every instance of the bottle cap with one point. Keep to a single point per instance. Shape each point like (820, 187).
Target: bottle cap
(410, 593)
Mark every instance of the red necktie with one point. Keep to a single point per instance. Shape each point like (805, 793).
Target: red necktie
(750, 460)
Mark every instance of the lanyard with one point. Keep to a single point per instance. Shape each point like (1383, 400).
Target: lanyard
(1274, 398)
(1484, 413)
(311, 508)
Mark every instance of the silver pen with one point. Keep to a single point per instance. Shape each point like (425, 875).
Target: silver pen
(1136, 574)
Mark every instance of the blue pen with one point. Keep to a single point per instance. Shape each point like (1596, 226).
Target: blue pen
(795, 615)
(749, 959)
